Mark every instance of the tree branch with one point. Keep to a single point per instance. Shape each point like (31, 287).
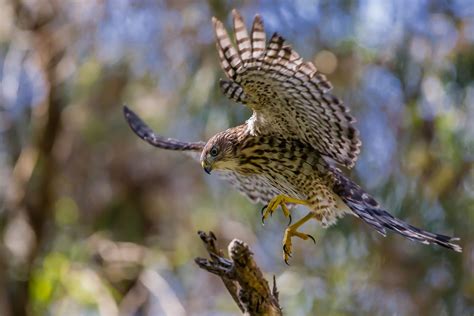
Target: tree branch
(241, 276)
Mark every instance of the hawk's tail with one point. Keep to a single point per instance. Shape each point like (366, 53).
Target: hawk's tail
(366, 208)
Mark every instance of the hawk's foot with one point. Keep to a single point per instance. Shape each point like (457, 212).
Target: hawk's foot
(281, 200)
(290, 232)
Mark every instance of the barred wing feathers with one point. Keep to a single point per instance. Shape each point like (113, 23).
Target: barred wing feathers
(289, 96)
(256, 188)
(142, 130)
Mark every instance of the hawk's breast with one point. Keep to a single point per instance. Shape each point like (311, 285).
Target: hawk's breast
(288, 166)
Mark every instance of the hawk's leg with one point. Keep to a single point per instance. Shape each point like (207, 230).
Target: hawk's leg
(291, 231)
(280, 200)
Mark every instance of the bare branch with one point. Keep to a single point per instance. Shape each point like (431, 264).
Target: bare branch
(241, 276)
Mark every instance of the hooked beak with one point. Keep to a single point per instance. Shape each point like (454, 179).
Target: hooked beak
(207, 167)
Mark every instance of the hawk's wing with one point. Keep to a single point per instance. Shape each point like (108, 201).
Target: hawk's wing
(289, 97)
(256, 188)
(147, 134)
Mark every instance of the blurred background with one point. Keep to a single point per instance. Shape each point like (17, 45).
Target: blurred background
(93, 221)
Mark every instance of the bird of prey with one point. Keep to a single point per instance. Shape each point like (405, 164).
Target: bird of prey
(288, 151)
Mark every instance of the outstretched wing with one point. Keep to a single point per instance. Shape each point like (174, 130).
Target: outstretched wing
(289, 97)
(256, 188)
(147, 134)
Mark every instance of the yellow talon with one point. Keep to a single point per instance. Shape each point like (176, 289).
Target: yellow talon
(280, 200)
(290, 232)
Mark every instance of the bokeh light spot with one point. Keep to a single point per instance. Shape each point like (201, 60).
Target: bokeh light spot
(326, 62)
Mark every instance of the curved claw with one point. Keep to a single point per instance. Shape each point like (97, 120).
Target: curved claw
(312, 238)
(287, 254)
(262, 212)
(289, 222)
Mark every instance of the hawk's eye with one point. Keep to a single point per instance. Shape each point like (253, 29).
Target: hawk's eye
(214, 151)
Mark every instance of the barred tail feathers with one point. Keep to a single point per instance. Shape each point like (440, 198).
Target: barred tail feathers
(367, 209)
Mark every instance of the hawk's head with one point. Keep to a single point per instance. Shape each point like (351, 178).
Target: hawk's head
(219, 152)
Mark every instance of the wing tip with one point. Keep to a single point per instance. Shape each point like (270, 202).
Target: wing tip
(451, 245)
(217, 25)
(236, 14)
(126, 110)
(128, 114)
(239, 26)
(277, 37)
(456, 248)
(257, 25)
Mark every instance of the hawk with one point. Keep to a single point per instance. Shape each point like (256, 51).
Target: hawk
(288, 151)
